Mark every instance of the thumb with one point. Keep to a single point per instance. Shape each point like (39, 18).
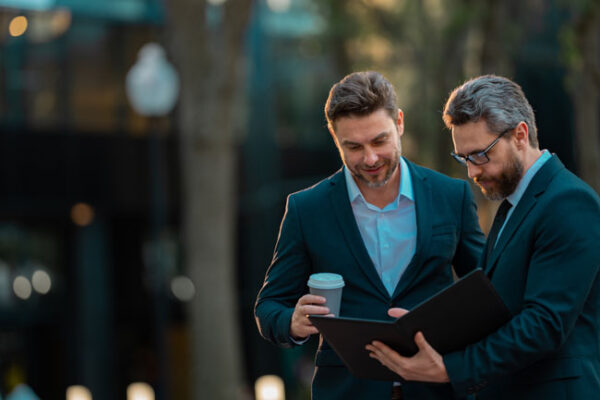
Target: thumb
(421, 342)
(397, 312)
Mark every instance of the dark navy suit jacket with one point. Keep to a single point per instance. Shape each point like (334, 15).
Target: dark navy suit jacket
(319, 234)
(545, 266)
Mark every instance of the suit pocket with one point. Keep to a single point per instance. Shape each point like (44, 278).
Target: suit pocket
(443, 241)
(327, 358)
(550, 370)
(443, 230)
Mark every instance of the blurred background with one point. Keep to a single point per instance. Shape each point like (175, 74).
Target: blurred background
(142, 186)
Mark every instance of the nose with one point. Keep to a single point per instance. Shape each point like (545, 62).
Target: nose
(473, 170)
(370, 156)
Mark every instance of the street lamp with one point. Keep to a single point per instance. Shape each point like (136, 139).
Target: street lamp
(152, 86)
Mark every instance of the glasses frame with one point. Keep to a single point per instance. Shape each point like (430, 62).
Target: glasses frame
(462, 160)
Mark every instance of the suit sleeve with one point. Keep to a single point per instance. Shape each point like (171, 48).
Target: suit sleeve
(563, 266)
(471, 240)
(285, 280)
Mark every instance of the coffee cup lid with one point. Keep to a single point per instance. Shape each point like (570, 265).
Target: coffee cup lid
(326, 280)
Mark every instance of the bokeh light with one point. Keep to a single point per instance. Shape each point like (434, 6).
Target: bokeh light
(48, 25)
(82, 214)
(17, 26)
(269, 387)
(183, 288)
(140, 391)
(78, 392)
(22, 287)
(279, 5)
(41, 281)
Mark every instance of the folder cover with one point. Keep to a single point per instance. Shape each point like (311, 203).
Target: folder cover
(460, 314)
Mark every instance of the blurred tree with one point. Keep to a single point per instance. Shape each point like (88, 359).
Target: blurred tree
(207, 42)
(428, 47)
(581, 43)
(425, 48)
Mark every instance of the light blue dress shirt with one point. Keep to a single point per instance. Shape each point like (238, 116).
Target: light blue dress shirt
(389, 234)
(515, 196)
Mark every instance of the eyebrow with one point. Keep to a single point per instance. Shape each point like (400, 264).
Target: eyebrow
(376, 138)
(469, 153)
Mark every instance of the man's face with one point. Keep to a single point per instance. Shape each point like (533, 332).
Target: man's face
(370, 146)
(500, 176)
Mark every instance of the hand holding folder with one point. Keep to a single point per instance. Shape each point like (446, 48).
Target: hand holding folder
(459, 315)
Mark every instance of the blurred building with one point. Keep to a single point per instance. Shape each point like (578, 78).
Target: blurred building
(76, 206)
(77, 212)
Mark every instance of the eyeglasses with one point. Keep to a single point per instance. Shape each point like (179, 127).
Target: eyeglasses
(479, 157)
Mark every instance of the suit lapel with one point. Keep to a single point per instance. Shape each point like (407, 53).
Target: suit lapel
(423, 207)
(536, 187)
(347, 223)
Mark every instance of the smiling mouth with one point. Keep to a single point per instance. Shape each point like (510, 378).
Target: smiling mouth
(373, 171)
(484, 183)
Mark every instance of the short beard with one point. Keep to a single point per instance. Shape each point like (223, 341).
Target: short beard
(394, 164)
(508, 181)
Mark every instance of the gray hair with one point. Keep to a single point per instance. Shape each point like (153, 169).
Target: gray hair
(499, 101)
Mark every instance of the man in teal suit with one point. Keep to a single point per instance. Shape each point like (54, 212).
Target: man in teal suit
(542, 256)
(391, 228)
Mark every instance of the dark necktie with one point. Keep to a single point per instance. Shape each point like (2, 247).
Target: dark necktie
(498, 222)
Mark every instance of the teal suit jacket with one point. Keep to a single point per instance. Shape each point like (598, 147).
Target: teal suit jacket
(545, 267)
(319, 234)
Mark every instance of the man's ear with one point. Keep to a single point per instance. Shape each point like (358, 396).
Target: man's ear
(400, 122)
(521, 135)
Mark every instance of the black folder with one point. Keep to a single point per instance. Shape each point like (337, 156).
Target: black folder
(461, 314)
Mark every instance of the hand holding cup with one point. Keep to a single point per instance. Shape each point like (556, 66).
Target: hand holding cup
(300, 326)
(324, 299)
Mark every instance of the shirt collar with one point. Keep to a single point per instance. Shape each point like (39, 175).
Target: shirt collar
(515, 196)
(406, 188)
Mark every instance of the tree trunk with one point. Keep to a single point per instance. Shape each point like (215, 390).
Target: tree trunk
(207, 48)
(585, 77)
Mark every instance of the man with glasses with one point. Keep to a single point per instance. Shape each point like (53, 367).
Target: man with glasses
(542, 256)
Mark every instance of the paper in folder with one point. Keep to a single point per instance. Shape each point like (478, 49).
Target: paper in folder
(461, 314)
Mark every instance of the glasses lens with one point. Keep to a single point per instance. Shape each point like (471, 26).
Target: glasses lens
(478, 158)
(459, 159)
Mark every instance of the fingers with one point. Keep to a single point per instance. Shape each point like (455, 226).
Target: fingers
(311, 299)
(309, 304)
(385, 355)
(425, 366)
(397, 312)
(300, 325)
(381, 350)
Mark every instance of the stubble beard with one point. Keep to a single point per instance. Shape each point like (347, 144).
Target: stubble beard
(392, 165)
